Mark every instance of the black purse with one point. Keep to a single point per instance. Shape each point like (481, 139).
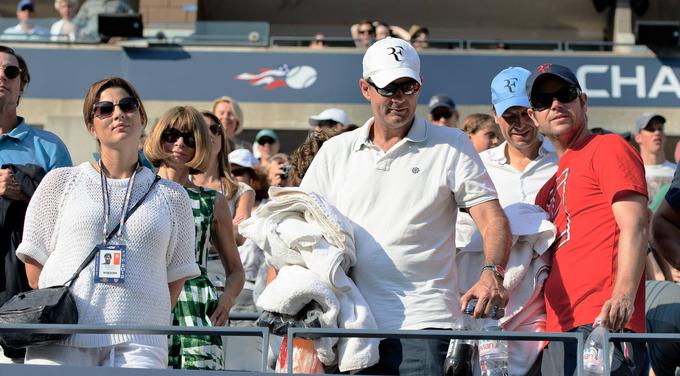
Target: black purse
(49, 305)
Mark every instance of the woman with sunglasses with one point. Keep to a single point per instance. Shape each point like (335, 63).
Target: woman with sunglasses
(72, 212)
(179, 144)
(240, 196)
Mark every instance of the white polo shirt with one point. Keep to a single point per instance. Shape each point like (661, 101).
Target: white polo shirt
(512, 185)
(403, 206)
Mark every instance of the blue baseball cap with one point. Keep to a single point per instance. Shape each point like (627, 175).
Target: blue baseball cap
(25, 4)
(508, 89)
(549, 69)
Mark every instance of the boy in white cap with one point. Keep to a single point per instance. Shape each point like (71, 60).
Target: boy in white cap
(649, 135)
(330, 118)
(401, 181)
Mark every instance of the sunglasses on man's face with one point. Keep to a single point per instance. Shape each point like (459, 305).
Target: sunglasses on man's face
(104, 109)
(407, 88)
(171, 135)
(11, 71)
(266, 140)
(216, 129)
(542, 101)
(368, 31)
(441, 114)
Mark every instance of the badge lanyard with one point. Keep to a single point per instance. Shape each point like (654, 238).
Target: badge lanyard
(107, 203)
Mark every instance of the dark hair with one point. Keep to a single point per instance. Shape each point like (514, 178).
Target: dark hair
(302, 157)
(23, 68)
(223, 160)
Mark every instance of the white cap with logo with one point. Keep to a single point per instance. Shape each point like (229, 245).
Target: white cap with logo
(390, 59)
(335, 114)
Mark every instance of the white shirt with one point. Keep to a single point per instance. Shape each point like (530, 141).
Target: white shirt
(403, 205)
(657, 176)
(17, 33)
(64, 221)
(512, 185)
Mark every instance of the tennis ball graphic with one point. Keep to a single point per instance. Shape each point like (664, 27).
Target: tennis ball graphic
(301, 77)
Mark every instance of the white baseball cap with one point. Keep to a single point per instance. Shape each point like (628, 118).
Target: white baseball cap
(243, 158)
(390, 59)
(335, 114)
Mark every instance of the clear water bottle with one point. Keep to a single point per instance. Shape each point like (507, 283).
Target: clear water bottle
(493, 353)
(593, 352)
(459, 356)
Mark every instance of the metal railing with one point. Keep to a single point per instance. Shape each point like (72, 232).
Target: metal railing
(579, 338)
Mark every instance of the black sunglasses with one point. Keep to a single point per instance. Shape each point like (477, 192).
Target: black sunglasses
(11, 71)
(407, 88)
(171, 135)
(366, 31)
(104, 109)
(441, 114)
(240, 171)
(542, 101)
(266, 140)
(216, 129)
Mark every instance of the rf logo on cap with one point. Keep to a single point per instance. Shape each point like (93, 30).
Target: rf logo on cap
(511, 84)
(396, 52)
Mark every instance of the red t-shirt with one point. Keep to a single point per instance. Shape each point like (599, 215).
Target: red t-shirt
(579, 201)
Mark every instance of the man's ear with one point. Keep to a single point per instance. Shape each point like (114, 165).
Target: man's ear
(584, 102)
(532, 115)
(365, 89)
(638, 138)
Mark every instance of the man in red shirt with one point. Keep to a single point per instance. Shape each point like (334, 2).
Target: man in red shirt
(598, 202)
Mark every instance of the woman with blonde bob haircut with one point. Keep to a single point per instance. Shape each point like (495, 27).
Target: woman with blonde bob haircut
(70, 215)
(180, 144)
(229, 112)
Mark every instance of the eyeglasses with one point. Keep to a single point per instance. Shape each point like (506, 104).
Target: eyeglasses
(264, 140)
(542, 101)
(441, 114)
(216, 129)
(367, 31)
(11, 71)
(104, 109)
(171, 135)
(407, 88)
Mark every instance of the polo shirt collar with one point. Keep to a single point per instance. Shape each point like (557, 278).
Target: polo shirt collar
(20, 131)
(417, 133)
(497, 154)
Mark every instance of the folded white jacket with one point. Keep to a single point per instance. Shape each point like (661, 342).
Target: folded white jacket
(302, 229)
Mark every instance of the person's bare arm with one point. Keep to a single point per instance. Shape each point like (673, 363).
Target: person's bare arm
(495, 230)
(9, 188)
(223, 236)
(175, 288)
(666, 232)
(33, 270)
(244, 209)
(632, 218)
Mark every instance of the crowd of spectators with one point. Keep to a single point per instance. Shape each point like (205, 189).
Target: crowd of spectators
(428, 202)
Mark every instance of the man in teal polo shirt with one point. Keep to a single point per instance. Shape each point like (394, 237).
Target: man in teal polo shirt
(26, 154)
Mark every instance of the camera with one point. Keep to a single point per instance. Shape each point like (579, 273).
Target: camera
(284, 171)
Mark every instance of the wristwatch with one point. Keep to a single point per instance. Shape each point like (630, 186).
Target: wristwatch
(497, 269)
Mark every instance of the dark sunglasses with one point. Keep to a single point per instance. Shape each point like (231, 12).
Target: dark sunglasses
(542, 101)
(11, 71)
(266, 140)
(327, 123)
(216, 129)
(104, 109)
(171, 135)
(366, 31)
(240, 172)
(407, 88)
(442, 114)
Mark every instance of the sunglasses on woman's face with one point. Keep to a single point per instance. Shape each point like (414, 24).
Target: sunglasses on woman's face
(11, 71)
(216, 129)
(104, 109)
(543, 101)
(171, 135)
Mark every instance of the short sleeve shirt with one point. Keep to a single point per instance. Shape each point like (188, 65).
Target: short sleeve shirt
(579, 201)
(403, 205)
(673, 194)
(28, 145)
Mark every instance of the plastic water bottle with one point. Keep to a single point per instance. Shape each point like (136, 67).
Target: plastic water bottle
(493, 353)
(459, 356)
(593, 352)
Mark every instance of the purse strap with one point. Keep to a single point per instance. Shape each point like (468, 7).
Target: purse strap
(94, 251)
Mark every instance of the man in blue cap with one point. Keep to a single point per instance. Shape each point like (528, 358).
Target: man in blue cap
(598, 202)
(25, 29)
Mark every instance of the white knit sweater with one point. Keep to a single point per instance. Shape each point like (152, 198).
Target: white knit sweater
(64, 222)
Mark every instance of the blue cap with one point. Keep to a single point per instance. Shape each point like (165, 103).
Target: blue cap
(25, 4)
(508, 89)
(266, 133)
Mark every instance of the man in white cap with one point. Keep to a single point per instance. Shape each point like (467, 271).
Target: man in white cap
(330, 118)
(649, 135)
(401, 181)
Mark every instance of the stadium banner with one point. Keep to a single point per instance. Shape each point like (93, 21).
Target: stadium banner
(176, 74)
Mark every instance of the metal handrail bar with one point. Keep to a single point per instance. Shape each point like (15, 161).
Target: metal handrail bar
(570, 43)
(440, 334)
(557, 43)
(634, 337)
(144, 329)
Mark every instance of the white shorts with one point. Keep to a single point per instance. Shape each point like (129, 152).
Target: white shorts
(124, 355)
